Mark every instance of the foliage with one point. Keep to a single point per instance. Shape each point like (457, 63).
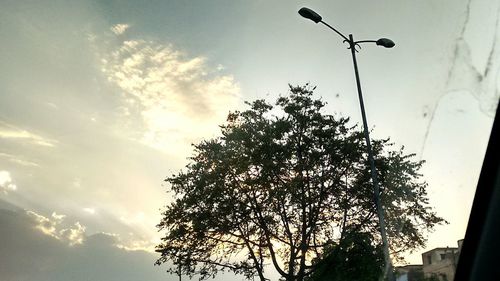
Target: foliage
(356, 258)
(283, 185)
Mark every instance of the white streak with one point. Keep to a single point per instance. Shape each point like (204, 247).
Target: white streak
(8, 131)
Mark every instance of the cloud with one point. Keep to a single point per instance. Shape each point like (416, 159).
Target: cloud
(53, 226)
(18, 160)
(179, 99)
(119, 28)
(29, 253)
(8, 131)
(6, 183)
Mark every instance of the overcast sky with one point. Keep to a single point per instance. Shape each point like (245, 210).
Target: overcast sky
(100, 101)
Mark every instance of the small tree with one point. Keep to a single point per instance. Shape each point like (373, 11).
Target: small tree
(286, 189)
(356, 258)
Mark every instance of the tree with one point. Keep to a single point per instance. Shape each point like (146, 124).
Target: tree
(356, 258)
(282, 188)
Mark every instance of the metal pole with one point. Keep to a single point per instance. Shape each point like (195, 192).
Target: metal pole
(380, 212)
(180, 273)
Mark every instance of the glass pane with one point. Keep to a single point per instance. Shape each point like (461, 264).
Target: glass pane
(100, 101)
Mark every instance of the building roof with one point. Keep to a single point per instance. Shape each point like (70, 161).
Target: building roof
(440, 248)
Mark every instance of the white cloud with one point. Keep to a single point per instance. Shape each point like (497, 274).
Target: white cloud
(6, 183)
(180, 99)
(119, 28)
(138, 245)
(73, 235)
(46, 225)
(53, 226)
(11, 132)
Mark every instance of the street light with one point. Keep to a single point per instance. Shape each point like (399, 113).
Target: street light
(387, 43)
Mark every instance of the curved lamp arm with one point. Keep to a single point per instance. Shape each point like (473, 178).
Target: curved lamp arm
(336, 31)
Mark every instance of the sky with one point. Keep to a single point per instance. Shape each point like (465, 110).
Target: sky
(101, 100)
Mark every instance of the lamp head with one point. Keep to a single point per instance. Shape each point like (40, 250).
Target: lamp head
(388, 43)
(310, 14)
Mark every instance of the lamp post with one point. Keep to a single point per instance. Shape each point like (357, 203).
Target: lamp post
(387, 43)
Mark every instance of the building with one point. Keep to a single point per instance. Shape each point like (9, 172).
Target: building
(438, 264)
(412, 272)
(441, 263)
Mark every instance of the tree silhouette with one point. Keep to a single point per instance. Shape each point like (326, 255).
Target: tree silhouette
(356, 258)
(283, 187)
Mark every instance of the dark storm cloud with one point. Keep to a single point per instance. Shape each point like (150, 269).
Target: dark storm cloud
(26, 253)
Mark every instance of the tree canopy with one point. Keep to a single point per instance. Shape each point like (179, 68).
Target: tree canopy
(289, 186)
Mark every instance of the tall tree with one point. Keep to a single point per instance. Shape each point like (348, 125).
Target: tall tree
(282, 186)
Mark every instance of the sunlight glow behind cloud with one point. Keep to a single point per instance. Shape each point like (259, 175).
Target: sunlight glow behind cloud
(179, 99)
(75, 233)
(53, 226)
